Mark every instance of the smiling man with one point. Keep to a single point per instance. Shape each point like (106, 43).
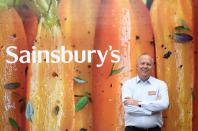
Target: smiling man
(144, 98)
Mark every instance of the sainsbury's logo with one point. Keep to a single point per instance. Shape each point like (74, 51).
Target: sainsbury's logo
(60, 55)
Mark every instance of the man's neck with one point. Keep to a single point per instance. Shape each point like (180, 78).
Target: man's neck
(144, 78)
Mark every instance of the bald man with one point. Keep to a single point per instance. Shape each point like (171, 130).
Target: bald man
(144, 98)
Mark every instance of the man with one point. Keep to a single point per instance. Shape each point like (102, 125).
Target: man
(144, 98)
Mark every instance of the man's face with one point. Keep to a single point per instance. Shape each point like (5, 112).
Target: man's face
(144, 66)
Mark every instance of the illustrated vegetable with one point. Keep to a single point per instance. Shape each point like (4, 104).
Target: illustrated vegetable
(12, 76)
(113, 28)
(50, 86)
(30, 22)
(175, 58)
(80, 32)
(142, 33)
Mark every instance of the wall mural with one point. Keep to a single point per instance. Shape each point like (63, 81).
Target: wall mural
(63, 62)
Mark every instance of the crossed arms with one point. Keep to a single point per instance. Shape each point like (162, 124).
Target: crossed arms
(134, 106)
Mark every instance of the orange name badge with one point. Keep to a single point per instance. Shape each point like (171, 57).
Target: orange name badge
(150, 93)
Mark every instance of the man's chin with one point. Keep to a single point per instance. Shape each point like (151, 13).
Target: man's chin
(145, 76)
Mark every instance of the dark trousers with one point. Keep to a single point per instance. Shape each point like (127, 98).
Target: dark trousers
(132, 128)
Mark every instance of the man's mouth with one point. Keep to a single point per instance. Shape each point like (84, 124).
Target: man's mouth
(144, 70)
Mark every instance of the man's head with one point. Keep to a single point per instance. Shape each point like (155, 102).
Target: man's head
(144, 66)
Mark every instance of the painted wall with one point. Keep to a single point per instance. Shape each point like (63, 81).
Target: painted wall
(76, 96)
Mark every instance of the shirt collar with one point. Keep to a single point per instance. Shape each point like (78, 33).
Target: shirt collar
(138, 80)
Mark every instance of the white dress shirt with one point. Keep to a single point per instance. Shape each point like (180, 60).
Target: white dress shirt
(153, 95)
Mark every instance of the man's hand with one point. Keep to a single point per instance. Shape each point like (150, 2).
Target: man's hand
(130, 101)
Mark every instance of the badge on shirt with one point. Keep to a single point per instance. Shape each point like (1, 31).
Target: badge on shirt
(150, 93)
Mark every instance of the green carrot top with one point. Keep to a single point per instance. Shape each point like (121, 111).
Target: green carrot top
(5, 4)
(46, 9)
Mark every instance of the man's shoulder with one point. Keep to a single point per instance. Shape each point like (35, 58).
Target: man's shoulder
(130, 80)
(158, 81)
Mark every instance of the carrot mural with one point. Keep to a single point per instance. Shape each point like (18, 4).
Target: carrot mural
(30, 23)
(12, 76)
(50, 94)
(174, 56)
(142, 40)
(195, 91)
(85, 96)
(112, 32)
(80, 34)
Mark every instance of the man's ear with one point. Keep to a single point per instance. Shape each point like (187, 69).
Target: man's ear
(137, 66)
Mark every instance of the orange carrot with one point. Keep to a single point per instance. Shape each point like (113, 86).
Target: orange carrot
(142, 33)
(172, 24)
(80, 34)
(13, 76)
(113, 28)
(30, 22)
(50, 86)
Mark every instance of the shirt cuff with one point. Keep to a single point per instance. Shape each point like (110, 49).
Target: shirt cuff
(141, 104)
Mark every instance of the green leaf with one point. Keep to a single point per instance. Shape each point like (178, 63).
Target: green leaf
(182, 27)
(149, 4)
(115, 71)
(13, 85)
(14, 124)
(79, 80)
(182, 37)
(81, 103)
(29, 111)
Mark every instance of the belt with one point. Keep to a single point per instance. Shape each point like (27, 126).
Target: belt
(146, 129)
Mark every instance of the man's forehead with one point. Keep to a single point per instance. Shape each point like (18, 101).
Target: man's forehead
(145, 57)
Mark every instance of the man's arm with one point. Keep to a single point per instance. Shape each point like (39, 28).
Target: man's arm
(160, 104)
(128, 107)
(131, 107)
(135, 110)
